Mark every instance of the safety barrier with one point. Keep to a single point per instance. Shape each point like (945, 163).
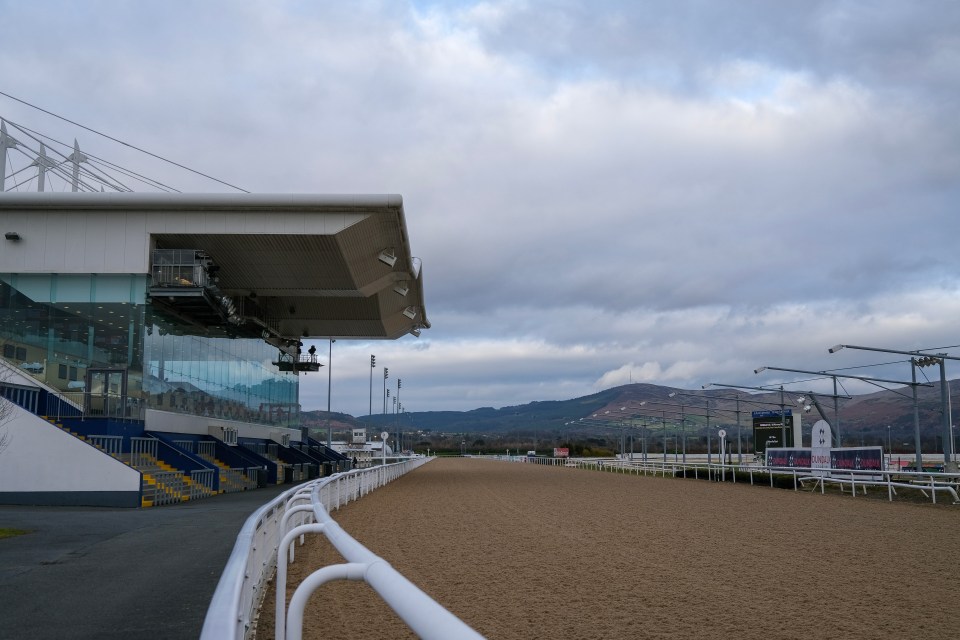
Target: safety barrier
(928, 483)
(143, 451)
(26, 397)
(265, 535)
(202, 483)
(185, 445)
(207, 448)
(111, 445)
(234, 480)
(168, 488)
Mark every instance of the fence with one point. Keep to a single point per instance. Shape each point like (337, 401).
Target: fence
(186, 445)
(927, 483)
(232, 480)
(87, 404)
(265, 536)
(202, 483)
(168, 488)
(143, 451)
(26, 397)
(112, 445)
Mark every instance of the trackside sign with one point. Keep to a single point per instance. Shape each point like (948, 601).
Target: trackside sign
(821, 439)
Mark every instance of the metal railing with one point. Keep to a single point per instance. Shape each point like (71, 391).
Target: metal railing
(265, 536)
(143, 452)
(26, 397)
(111, 445)
(201, 483)
(928, 483)
(185, 445)
(168, 488)
(207, 448)
(232, 480)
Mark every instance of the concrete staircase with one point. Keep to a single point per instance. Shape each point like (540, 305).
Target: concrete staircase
(230, 480)
(162, 483)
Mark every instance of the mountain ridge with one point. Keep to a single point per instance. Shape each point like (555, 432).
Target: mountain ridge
(863, 418)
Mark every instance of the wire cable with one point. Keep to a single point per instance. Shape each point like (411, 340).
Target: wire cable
(126, 144)
(36, 135)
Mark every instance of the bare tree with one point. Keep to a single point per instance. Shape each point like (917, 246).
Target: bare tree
(6, 413)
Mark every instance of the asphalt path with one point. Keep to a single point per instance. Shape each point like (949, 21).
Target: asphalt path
(117, 573)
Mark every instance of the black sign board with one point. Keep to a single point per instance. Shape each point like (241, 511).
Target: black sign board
(768, 429)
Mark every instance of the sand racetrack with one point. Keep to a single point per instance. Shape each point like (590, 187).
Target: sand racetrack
(528, 551)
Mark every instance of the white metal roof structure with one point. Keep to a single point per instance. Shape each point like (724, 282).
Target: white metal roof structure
(288, 266)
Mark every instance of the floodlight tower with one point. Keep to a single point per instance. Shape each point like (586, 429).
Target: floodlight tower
(922, 358)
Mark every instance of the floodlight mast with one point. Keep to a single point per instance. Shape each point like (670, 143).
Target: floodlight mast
(706, 399)
(783, 417)
(926, 358)
(836, 397)
(739, 441)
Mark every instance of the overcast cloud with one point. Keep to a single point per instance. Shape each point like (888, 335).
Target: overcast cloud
(661, 191)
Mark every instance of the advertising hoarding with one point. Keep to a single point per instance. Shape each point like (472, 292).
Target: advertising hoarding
(561, 452)
(858, 459)
(788, 457)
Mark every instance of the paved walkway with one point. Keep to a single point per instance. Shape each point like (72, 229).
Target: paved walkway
(117, 573)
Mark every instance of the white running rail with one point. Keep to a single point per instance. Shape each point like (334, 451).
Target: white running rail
(267, 534)
(926, 482)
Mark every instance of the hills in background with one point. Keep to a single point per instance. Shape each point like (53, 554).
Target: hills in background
(863, 419)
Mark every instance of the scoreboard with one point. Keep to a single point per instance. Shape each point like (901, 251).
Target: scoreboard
(768, 427)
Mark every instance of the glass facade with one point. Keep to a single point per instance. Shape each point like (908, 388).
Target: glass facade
(97, 339)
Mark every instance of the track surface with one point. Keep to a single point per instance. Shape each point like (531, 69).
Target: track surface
(526, 551)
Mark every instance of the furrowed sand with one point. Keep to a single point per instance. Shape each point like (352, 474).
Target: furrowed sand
(528, 551)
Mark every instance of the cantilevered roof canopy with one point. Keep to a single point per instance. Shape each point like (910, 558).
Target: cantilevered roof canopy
(296, 265)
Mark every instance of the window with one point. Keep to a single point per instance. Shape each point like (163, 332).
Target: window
(229, 435)
(62, 371)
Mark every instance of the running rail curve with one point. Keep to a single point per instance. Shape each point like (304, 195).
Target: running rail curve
(263, 538)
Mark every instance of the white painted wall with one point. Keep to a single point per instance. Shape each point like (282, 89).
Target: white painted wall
(200, 425)
(118, 241)
(41, 457)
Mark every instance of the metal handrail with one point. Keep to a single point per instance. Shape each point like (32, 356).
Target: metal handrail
(239, 592)
(948, 482)
(424, 615)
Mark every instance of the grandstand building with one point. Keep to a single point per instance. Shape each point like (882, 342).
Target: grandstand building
(152, 344)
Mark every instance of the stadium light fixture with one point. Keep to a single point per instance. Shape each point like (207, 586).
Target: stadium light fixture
(386, 257)
(923, 358)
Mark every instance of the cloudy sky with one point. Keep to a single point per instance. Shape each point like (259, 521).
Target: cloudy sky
(674, 192)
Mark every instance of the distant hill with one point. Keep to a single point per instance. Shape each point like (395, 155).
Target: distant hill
(863, 417)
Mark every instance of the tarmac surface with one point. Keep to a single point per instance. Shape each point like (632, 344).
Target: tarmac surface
(117, 573)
